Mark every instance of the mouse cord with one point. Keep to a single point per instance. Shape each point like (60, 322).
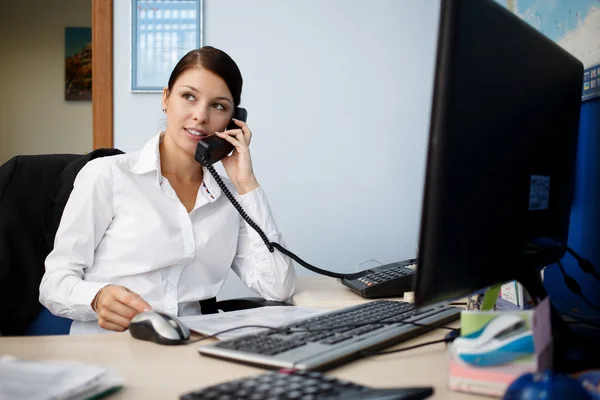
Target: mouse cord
(229, 330)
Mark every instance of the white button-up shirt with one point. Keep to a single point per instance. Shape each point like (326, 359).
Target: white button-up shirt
(124, 224)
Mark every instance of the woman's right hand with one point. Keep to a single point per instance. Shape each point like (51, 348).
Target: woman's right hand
(116, 306)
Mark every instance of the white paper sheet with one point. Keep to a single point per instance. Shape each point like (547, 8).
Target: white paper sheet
(273, 316)
(51, 380)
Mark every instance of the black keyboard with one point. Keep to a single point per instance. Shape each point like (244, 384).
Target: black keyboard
(333, 338)
(390, 280)
(289, 384)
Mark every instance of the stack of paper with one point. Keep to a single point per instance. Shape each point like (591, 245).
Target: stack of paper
(45, 380)
(273, 316)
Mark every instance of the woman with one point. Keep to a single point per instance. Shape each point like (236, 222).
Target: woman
(151, 229)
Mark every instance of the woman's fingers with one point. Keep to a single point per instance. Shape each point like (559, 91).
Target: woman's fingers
(244, 127)
(107, 316)
(122, 310)
(109, 326)
(117, 305)
(243, 135)
(235, 137)
(132, 300)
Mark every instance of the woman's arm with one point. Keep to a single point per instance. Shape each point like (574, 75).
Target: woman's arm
(86, 216)
(272, 275)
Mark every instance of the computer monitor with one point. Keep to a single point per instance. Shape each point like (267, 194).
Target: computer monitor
(501, 155)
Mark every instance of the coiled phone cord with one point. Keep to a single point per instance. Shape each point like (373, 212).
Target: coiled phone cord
(273, 245)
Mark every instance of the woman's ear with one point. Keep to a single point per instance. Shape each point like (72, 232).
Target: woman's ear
(165, 98)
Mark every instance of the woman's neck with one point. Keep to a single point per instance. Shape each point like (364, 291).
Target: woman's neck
(177, 164)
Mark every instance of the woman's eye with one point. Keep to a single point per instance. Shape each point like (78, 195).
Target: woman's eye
(189, 96)
(219, 106)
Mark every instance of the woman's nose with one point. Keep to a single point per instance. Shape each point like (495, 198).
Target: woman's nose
(200, 114)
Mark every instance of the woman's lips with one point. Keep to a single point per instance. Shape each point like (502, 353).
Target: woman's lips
(197, 135)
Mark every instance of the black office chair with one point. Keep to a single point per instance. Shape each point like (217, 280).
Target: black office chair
(33, 193)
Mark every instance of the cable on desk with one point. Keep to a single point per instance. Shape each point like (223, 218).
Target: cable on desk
(232, 329)
(447, 339)
(416, 346)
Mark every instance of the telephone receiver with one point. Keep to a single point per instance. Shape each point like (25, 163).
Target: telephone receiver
(214, 148)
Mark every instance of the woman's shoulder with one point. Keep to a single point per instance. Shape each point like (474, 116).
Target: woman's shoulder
(105, 168)
(119, 161)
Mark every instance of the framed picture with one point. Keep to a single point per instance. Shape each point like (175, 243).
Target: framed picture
(162, 32)
(78, 63)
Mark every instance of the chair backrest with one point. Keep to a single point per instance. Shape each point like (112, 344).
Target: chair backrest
(33, 193)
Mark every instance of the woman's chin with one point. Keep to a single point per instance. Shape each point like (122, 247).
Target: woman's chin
(189, 148)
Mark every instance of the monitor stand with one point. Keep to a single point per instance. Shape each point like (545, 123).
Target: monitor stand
(574, 349)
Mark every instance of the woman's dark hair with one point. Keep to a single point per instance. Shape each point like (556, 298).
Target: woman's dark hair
(216, 61)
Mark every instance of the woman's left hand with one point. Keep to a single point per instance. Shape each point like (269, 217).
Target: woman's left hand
(238, 165)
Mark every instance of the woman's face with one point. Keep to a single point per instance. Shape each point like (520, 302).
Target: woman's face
(199, 105)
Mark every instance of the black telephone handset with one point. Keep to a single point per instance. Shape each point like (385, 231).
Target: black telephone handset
(214, 148)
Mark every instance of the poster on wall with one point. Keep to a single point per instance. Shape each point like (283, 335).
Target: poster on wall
(78, 63)
(574, 25)
(162, 32)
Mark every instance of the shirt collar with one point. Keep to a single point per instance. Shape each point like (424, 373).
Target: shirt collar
(210, 188)
(149, 159)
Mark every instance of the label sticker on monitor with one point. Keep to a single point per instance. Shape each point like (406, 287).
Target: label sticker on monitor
(539, 192)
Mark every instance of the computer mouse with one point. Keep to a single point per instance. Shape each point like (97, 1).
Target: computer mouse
(452, 335)
(502, 340)
(547, 385)
(159, 328)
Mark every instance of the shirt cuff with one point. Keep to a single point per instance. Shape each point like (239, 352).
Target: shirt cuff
(82, 295)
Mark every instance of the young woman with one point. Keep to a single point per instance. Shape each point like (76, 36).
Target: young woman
(152, 229)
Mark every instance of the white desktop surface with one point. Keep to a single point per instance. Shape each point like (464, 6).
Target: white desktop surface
(153, 371)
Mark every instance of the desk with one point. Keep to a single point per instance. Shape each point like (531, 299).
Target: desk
(152, 371)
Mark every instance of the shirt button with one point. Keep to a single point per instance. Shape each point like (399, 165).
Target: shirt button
(171, 306)
(172, 295)
(190, 251)
(178, 268)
